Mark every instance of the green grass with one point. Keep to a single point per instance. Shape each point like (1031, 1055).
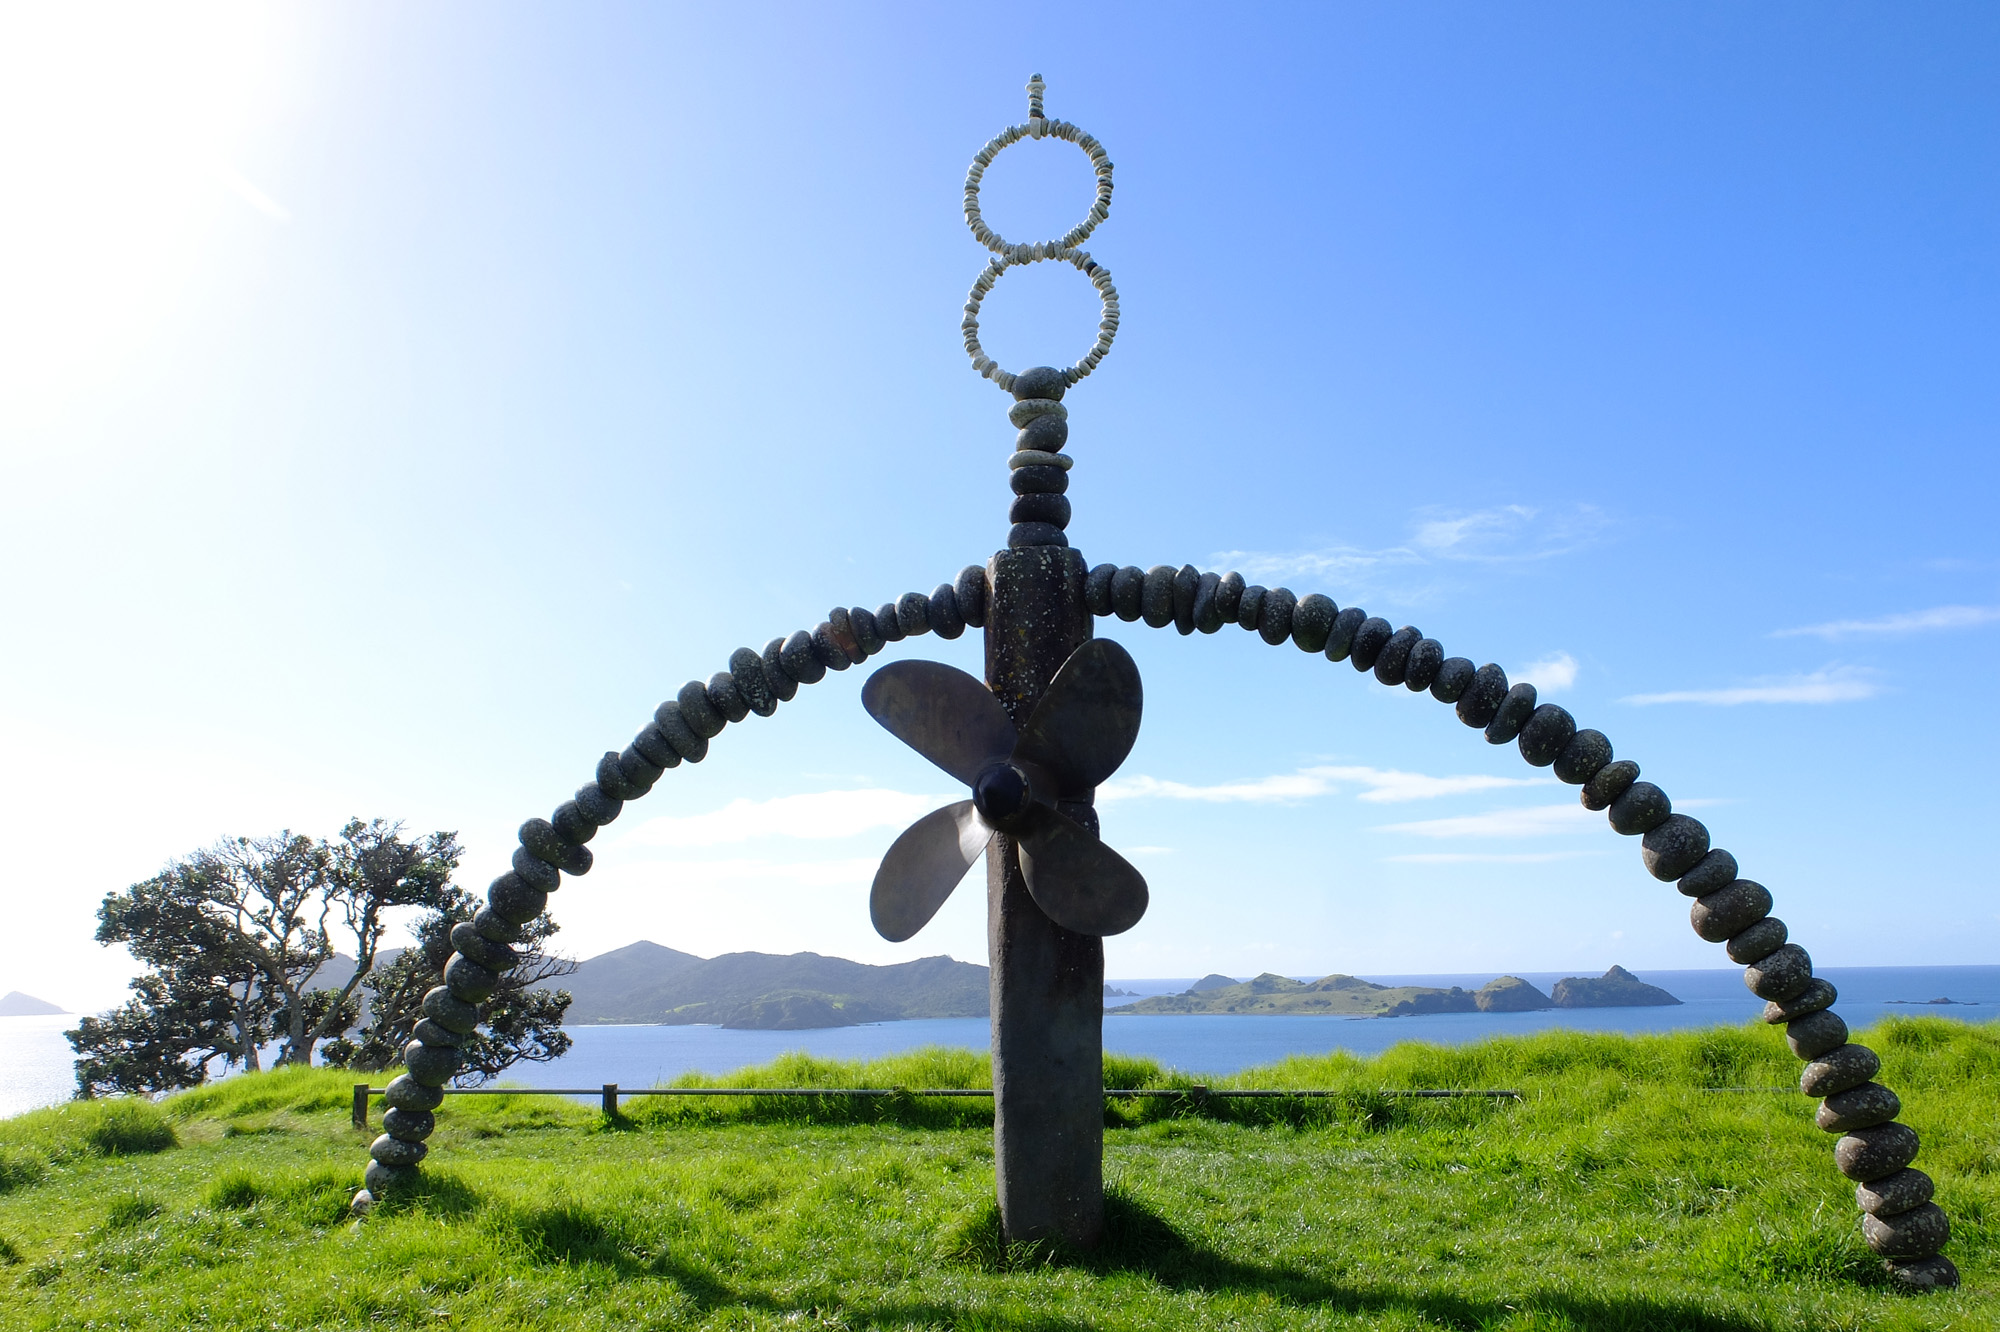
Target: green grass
(1618, 1195)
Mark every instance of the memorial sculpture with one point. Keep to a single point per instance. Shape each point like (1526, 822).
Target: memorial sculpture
(1056, 714)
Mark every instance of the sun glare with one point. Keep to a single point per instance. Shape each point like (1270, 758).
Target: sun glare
(117, 128)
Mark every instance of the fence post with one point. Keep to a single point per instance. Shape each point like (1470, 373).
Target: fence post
(611, 1100)
(361, 1105)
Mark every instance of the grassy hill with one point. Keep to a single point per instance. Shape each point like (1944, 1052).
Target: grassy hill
(1643, 1184)
(645, 982)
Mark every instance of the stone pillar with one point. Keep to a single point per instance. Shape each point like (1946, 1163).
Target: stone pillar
(1047, 983)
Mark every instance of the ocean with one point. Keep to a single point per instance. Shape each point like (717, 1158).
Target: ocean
(36, 1058)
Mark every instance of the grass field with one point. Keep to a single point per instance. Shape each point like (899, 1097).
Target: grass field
(1619, 1194)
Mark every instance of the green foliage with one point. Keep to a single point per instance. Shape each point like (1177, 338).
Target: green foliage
(1617, 1196)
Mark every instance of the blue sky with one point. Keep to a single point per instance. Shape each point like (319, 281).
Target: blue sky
(396, 404)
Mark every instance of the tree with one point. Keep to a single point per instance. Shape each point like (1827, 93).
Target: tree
(235, 935)
(520, 1023)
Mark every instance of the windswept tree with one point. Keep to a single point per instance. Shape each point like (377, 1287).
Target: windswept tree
(235, 938)
(522, 1022)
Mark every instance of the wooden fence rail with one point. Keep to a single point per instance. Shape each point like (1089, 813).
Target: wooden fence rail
(610, 1093)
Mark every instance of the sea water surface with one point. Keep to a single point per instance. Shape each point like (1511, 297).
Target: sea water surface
(36, 1059)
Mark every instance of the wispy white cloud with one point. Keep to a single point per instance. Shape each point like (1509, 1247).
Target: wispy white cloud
(1535, 821)
(815, 816)
(1486, 857)
(1835, 684)
(1549, 675)
(1892, 626)
(1381, 786)
(1509, 534)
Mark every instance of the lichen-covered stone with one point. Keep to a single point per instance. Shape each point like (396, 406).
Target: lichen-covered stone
(913, 612)
(1274, 617)
(1858, 1108)
(946, 619)
(473, 944)
(1426, 659)
(1229, 596)
(406, 1093)
(1730, 910)
(1023, 535)
(431, 1065)
(1869, 1154)
(1917, 1233)
(1312, 621)
(384, 1180)
(1484, 693)
(1581, 757)
(1611, 781)
(396, 1151)
(1715, 871)
(1758, 942)
(409, 1125)
(1642, 808)
(449, 1011)
(886, 623)
(1128, 593)
(840, 631)
(1454, 677)
(470, 981)
(1187, 582)
(494, 927)
(1028, 409)
(1392, 663)
(1044, 434)
(1208, 616)
(1250, 607)
(969, 590)
(430, 1033)
(515, 900)
(1924, 1274)
(1894, 1193)
(572, 824)
(753, 681)
(1546, 734)
(540, 840)
(826, 651)
(694, 748)
(1674, 846)
(1340, 638)
(596, 803)
(1043, 382)
(1839, 1070)
(698, 712)
(1097, 589)
(639, 772)
(1781, 975)
(653, 743)
(536, 873)
(1051, 509)
(1156, 605)
(1038, 480)
(1369, 640)
(1814, 1034)
(1515, 709)
(1818, 996)
(723, 695)
(798, 661)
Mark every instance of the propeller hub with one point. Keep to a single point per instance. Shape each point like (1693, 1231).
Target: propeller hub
(1002, 795)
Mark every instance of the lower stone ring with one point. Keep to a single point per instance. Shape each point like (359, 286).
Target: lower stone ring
(1100, 277)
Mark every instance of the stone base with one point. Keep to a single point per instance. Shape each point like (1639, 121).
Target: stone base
(1935, 1273)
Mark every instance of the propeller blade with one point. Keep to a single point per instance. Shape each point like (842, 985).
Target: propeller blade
(922, 868)
(1088, 718)
(1078, 881)
(949, 717)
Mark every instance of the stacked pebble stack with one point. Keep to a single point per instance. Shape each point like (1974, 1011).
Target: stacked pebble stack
(755, 683)
(1039, 469)
(1899, 1221)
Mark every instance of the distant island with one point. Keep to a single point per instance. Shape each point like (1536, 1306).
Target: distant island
(1350, 996)
(16, 1004)
(645, 982)
(1922, 1003)
(648, 983)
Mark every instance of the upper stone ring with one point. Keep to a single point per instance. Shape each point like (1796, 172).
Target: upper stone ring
(1038, 126)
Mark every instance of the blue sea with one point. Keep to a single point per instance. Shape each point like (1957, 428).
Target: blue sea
(37, 1059)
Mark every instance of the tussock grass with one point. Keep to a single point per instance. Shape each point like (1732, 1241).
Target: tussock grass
(1621, 1193)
